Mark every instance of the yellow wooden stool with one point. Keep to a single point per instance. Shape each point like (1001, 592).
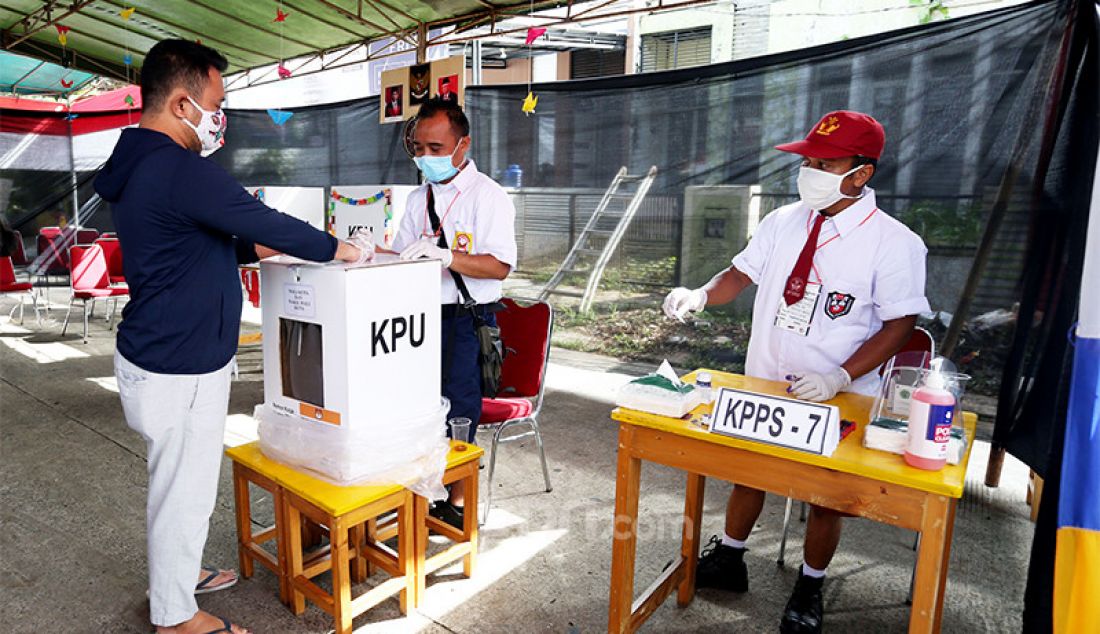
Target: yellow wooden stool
(250, 466)
(462, 465)
(344, 511)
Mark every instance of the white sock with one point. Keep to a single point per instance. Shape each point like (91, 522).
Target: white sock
(810, 571)
(734, 543)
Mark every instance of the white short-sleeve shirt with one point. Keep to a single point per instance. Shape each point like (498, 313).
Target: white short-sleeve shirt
(871, 268)
(478, 218)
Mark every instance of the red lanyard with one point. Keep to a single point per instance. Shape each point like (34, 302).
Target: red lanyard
(810, 219)
(427, 220)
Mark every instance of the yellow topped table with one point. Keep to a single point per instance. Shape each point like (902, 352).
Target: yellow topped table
(856, 480)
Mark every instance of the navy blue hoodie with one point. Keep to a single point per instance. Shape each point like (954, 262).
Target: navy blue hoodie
(184, 224)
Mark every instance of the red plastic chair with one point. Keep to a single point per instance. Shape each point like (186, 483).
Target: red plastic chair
(10, 286)
(525, 332)
(89, 282)
(53, 255)
(19, 255)
(112, 250)
(86, 236)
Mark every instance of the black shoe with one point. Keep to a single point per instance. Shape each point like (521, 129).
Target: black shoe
(722, 567)
(804, 613)
(449, 513)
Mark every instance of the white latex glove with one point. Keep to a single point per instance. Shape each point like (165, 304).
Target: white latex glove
(425, 248)
(364, 240)
(681, 301)
(819, 387)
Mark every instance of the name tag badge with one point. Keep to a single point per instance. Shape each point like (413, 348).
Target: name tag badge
(786, 422)
(796, 317)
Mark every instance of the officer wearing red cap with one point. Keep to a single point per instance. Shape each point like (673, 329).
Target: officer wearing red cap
(839, 287)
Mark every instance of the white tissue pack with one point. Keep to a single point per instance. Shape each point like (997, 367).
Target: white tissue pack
(661, 392)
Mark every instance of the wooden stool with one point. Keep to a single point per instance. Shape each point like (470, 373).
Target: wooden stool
(345, 512)
(461, 466)
(251, 466)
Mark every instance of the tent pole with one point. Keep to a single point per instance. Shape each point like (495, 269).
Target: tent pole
(421, 42)
(476, 64)
(72, 176)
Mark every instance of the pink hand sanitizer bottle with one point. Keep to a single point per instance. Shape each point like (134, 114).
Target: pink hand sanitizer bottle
(930, 417)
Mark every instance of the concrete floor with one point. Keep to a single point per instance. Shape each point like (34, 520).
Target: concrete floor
(73, 485)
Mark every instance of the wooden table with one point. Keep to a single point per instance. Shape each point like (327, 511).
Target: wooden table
(863, 482)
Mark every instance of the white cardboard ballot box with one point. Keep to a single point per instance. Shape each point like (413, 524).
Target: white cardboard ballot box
(354, 348)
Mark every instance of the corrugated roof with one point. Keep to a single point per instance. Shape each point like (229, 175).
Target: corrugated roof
(27, 76)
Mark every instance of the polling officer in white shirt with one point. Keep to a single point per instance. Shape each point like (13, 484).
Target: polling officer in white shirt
(474, 218)
(840, 285)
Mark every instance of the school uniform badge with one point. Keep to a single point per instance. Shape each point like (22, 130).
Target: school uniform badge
(464, 242)
(838, 304)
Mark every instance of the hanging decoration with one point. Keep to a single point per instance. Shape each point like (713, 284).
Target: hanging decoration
(66, 84)
(280, 17)
(370, 200)
(260, 194)
(62, 34)
(128, 58)
(529, 103)
(280, 117)
(533, 33)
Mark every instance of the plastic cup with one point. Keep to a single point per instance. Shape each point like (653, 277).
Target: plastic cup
(460, 431)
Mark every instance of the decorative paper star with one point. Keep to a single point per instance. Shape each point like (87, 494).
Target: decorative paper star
(280, 117)
(529, 103)
(280, 15)
(284, 72)
(129, 100)
(66, 84)
(71, 116)
(128, 59)
(63, 39)
(534, 33)
(126, 13)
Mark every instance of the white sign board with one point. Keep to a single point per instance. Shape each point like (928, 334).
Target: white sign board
(786, 422)
(304, 203)
(375, 207)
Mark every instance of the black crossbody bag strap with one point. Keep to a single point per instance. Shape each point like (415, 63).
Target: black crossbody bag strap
(467, 299)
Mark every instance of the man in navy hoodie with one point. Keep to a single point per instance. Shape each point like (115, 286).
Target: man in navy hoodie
(184, 226)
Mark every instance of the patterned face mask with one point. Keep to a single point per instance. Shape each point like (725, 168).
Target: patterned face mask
(210, 129)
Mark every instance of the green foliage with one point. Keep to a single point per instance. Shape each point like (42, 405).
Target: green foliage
(945, 224)
(928, 10)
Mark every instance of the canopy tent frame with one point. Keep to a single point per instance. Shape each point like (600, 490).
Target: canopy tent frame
(339, 30)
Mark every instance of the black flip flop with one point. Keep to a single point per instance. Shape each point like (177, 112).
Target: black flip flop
(226, 628)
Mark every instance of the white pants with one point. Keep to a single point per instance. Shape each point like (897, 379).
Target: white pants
(182, 418)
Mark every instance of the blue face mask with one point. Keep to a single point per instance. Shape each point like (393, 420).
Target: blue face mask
(437, 168)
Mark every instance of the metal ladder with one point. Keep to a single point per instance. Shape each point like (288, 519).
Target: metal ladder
(583, 246)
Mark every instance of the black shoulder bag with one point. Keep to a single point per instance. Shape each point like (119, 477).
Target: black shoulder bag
(490, 356)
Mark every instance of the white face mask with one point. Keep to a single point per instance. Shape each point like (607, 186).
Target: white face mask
(820, 189)
(210, 130)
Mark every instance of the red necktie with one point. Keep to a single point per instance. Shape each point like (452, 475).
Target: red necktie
(796, 282)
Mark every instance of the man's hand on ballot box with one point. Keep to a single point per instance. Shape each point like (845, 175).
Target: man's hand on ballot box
(819, 387)
(425, 248)
(364, 241)
(681, 301)
(348, 252)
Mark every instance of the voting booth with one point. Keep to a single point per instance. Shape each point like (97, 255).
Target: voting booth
(351, 368)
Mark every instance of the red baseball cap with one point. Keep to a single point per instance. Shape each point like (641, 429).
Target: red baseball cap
(839, 134)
